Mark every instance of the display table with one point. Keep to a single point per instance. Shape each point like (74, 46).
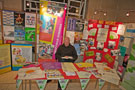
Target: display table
(81, 72)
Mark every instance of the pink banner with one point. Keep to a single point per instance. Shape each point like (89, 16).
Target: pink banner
(59, 31)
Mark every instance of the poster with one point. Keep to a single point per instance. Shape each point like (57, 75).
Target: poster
(5, 58)
(71, 26)
(45, 51)
(30, 20)
(121, 29)
(19, 33)
(21, 53)
(30, 34)
(52, 23)
(19, 18)
(47, 28)
(78, 37)
(8, 32)
(8, 18)
(102, 34)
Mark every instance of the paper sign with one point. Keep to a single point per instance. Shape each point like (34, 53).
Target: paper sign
(85, 34)
(121, 29)
(108, 58)
(114, 28)
(92, 32)
(101, 83)
(122, 50)
(102, 34)
(63, 83)
(41, 84)
(18, 83)
(84, 83)
(90, 53)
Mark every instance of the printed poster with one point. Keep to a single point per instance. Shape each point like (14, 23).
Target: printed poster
(5, 58)
(8, 18)
(71, 24)
(121, 29)
(52, 22)
(19, 18)
(19, 33)
(30, 20)
(45, 51)
(102, 34)
(8, 32)
(21, 53)
(30, 34)
(47, 28)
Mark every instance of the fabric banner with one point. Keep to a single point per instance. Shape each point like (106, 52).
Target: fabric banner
(41, 84)
(84, 83)
(18, 83)
(63, 83)
(51, 24)
(101, 83)
(21, 53)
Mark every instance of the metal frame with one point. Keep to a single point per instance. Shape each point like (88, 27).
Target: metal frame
(81, 8)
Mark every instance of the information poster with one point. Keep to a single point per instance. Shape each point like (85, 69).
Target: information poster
(51, 23)
(8, 18)
(30, 34)
(5, 58)
(21, 53)
(8, 32)
(19, 33)
(103, 39)
(19, 18)
(30, 20)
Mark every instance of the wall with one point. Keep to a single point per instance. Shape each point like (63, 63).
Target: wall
(15, 5)
(116, 10)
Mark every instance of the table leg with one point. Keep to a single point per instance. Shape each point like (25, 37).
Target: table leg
(109, 86)
(22, 84)
(96, 83)
(29, 84)
(25, 84)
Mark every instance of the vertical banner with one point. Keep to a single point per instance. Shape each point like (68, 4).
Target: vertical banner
(84, 83)
(63, 83)
(51, 24)
(21, 53)
(18, 83)
(101, 83)
(5, 58)
(41, 84)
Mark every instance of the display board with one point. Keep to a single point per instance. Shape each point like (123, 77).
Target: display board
(21, 53)
(5, 58)
(19, 26)
(102, 41)
(51, 25)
